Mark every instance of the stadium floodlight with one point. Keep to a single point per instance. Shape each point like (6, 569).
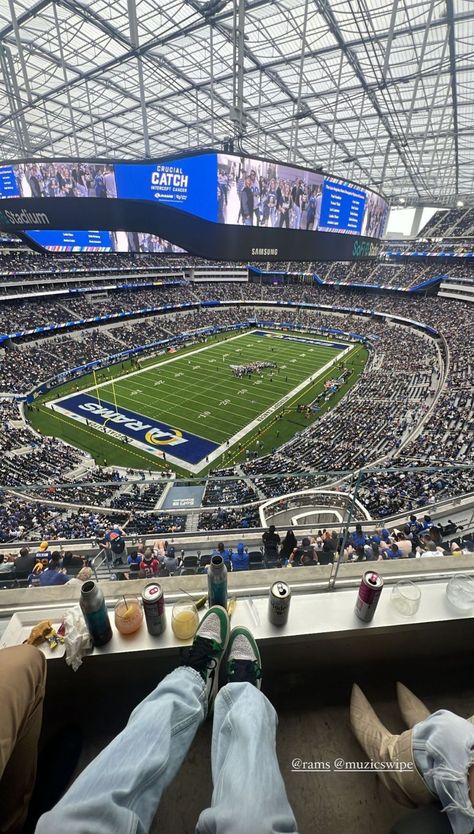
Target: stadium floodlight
(459, 203)
(402, 201)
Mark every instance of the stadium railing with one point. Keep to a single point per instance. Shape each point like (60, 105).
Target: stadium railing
(323, 597)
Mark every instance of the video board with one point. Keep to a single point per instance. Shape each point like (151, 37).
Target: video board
(212, 204)
(249, 191)
(58, 240)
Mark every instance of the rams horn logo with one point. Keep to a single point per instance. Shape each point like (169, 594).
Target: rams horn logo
(159, 438)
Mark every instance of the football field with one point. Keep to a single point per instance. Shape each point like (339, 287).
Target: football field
(189, 408)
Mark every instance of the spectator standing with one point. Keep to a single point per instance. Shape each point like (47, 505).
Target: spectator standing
(24, 563)
(271, 542)
(288, 546)
(240, 559)
(115, 542)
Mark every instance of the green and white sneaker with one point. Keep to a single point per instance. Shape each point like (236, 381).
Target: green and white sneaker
(243, 659)
(207, 650)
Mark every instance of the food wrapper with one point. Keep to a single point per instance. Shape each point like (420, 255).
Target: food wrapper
(77, 640)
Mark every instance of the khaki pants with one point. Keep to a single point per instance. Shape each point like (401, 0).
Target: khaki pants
(22, 685)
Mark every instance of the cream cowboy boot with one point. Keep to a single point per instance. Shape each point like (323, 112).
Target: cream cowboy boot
(412, 709)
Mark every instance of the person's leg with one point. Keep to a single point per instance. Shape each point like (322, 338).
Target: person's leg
(405, 784)
(22, 684)
(249, 793)
(121, 789)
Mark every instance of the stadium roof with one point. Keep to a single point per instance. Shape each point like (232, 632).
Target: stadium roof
(381, 92)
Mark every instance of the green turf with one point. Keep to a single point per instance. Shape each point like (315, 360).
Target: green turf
(201, 395)
(197, 392)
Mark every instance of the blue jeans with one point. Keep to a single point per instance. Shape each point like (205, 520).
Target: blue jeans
(119, 792)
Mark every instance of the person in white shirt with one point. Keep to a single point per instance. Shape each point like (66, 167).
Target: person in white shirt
(431, 550)
(6, 565)
(434, 758)
(109, 181)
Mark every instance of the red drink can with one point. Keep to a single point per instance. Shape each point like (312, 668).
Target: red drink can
(154, 608)
(368, 596)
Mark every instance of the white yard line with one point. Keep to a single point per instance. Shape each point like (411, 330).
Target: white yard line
(179, 356)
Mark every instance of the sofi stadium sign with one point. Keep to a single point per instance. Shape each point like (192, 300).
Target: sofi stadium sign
(365, 249)
(24, 218)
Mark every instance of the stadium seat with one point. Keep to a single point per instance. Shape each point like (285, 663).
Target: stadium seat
(190, 562)
(272, 561)
(188, 571)
(205, 560)
(256, 560)
(7, 584)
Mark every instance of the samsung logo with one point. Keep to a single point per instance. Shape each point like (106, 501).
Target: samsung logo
(264, 251)
(23, 217)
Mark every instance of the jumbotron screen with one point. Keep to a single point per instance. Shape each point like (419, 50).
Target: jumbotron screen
(262, 204)
(56, 240)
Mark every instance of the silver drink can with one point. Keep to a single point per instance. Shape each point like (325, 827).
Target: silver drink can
(369, 594)
(154, 608)
(279, 603)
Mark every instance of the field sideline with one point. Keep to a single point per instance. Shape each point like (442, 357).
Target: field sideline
(189, 409)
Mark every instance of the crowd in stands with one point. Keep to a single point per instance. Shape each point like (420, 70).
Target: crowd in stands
(159, 523)
(25, 366)
(47, 565)
(25, 272)
(226, 493)
(419, 538)
(402, 371)
(29, 263)
(17, 316)
(453, 223)
(229, 519)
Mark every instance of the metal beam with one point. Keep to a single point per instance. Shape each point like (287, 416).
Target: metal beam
(327, 13)
(97, 71)
(63, 65)
(454, 87)
(134, 40)
(420, 63)
(19, 47)
(388, 46)
(294, 140)
(211, 74)
(33, 11)
(336, 103)
(13, 95)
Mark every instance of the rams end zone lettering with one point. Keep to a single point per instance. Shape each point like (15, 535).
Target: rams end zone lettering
(181, 448)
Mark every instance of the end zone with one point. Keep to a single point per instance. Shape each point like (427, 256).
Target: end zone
(158, 439)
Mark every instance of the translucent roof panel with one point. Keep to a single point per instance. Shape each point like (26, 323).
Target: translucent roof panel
(380, 91)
